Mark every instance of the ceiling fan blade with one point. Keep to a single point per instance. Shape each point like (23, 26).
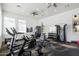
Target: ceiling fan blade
(49, 5)
(54, 4)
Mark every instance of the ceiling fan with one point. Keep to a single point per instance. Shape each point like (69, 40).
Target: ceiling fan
(52, 4)
(34, 13)
(38, 12)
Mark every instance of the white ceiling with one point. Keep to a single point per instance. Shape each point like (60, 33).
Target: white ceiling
(27, 8)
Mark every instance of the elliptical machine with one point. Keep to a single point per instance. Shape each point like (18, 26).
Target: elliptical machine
(22, 51)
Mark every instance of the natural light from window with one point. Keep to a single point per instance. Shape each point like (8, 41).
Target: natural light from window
(52, 29)
(21, 25)
(8, 23)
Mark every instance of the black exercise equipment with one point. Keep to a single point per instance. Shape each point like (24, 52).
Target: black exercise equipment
(32, 43)
(58, 28)
(12, 32)
(14, 48)
(63, 36)
(21, 52)
(25, 48)
(60, 34)
(22, 48)
(38, 31)
(13, 37)
(64, 31)
(12, 41)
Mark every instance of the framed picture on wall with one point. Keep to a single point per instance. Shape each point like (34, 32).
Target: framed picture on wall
(29, 29)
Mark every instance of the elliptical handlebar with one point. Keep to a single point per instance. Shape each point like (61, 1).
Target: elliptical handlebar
(25, 38)
(9, 32)
(13, 30)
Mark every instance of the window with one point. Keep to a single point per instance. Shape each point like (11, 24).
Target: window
(8, 23)
(22, 25)
(53, 29)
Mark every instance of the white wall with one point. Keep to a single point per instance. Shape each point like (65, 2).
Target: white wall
(63, 18)
(0, 25)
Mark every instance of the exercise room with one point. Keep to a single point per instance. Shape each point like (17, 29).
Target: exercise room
(39, 29)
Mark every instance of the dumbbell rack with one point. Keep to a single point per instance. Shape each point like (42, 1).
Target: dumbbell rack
(51, 35)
